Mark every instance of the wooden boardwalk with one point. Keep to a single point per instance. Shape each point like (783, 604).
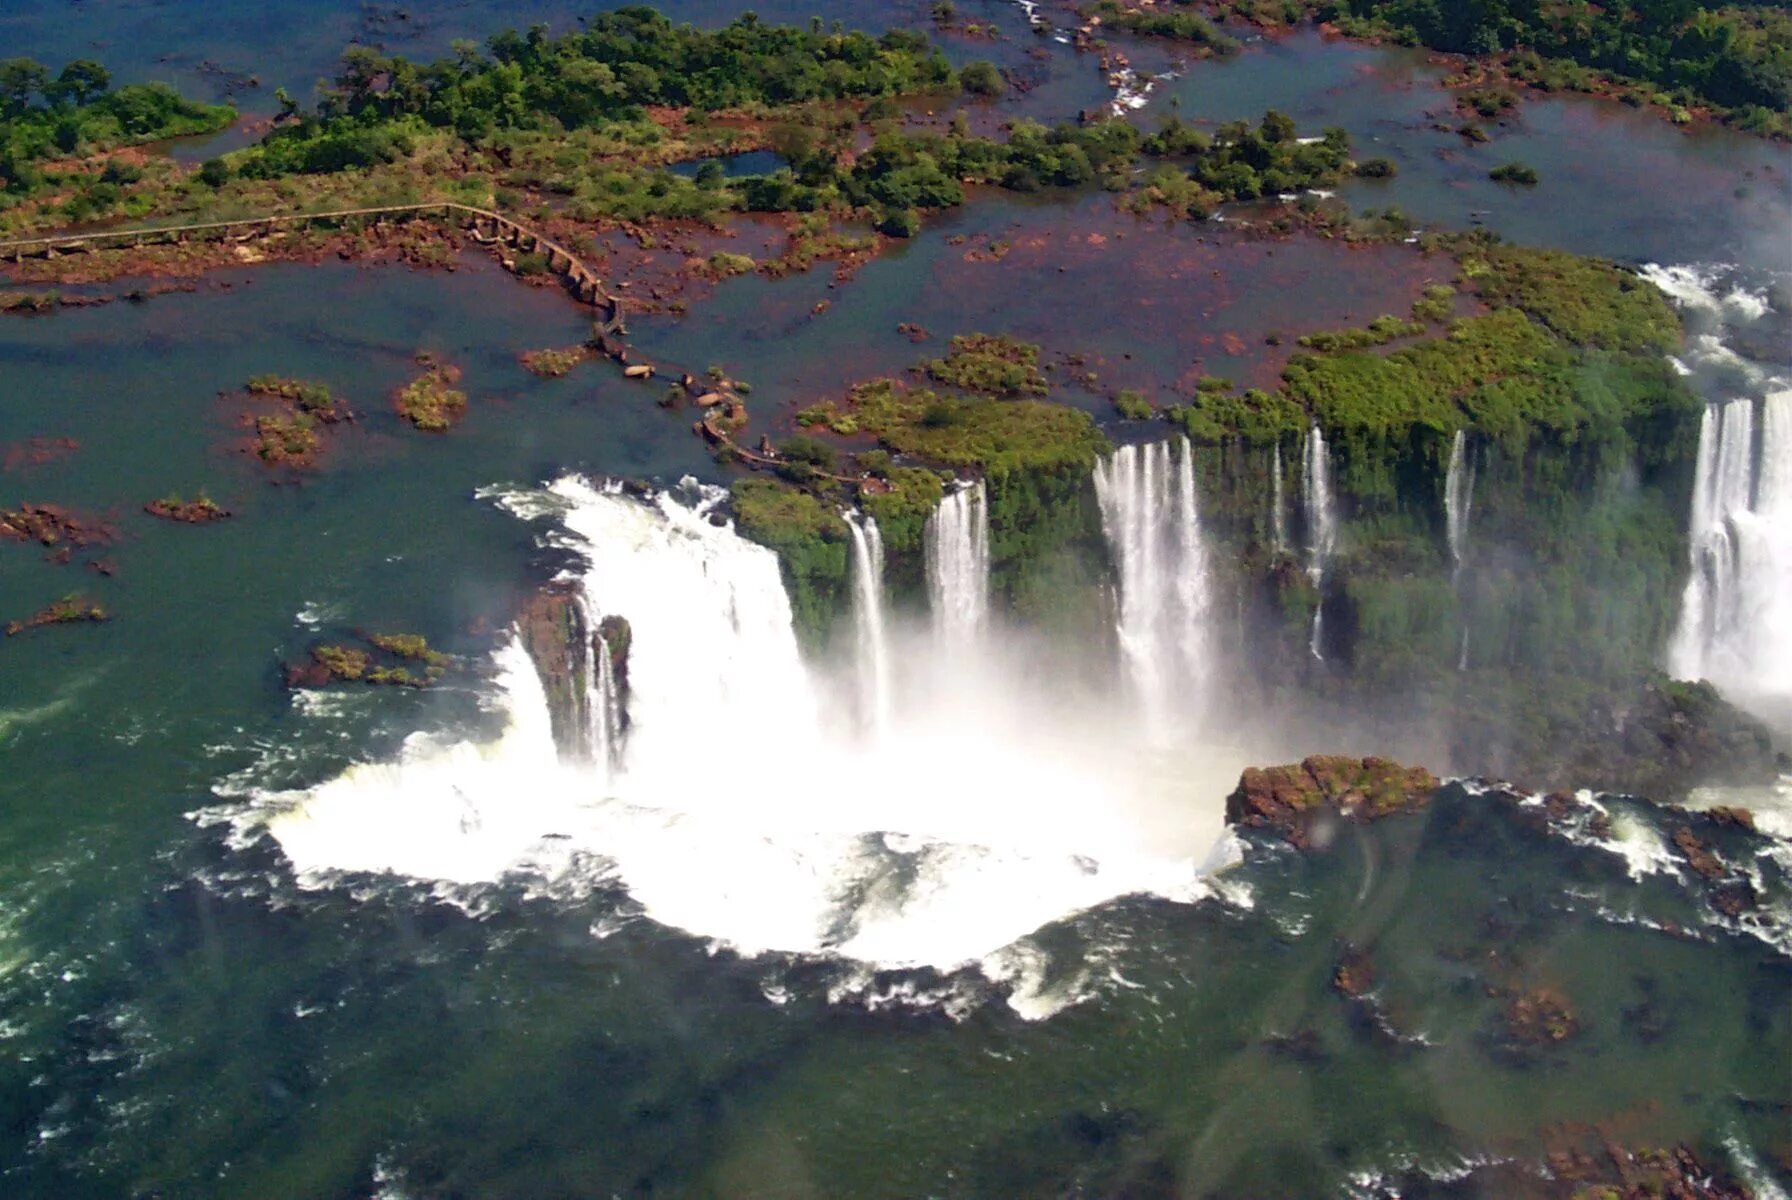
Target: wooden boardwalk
(488, 228)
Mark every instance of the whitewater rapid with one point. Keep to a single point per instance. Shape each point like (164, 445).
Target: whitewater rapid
(750, 811)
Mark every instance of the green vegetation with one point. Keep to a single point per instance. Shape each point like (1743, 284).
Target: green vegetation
(28, 303)
(724, 264)
(1582, 300)
(1519, 173)
(1132, 406)
(412, 646)
(1238, 162)
(993, 366)
(75, 115)
(431, 401)
(200, 509)
(1734, 58)
(1257, 416)
(1165, 23)
(996, 428)
(811, 541)
(69, 610)
(552, 364)
(1379, 332)
(1572, 354)
(291, 440)
(1436, 304)
(598, 77)
(970, 432)
(901, 512)
(314, 399)
(340, 663)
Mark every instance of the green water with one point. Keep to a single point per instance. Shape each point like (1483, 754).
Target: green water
(178, 1017)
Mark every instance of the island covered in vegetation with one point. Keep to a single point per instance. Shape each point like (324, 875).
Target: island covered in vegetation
(1734, 60)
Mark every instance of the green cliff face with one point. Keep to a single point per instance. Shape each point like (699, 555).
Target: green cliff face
(1578, 442)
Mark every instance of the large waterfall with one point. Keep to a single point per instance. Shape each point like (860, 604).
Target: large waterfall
(1735, 624)
(742, 812)
(870, 625)
(957, 542)
(1322, 530)
(1148, 511)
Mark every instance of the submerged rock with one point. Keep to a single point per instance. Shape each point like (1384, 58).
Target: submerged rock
(69, 610)
(1293, 798)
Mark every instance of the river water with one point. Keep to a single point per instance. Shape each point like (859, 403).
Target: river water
(183, 1013)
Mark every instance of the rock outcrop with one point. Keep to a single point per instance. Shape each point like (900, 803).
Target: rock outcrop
(583, 665)
(1294, 798)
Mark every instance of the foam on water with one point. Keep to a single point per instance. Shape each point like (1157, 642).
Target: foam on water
(742, 813)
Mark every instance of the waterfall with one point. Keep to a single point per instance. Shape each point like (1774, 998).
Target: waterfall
(1459, 499)
(1735, 624)
(873, 635)
(1322, 530)
(606, 706)
(597, 704)
(737, 812)
(1279, 512)
(957, 542)
(1149, 514)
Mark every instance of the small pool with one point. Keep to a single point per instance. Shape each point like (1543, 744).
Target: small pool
(734, 166)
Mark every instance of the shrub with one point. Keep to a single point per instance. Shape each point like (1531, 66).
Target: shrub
(1133, 406)
(1521, 174)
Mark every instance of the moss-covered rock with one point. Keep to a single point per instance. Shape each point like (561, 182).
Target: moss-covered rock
(431, 401)
(812, 543)
(1291, 799)
(70, 610)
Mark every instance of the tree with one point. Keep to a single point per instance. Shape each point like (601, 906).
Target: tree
(710, 175)
(982, 79)
(20, 79)
(80, 82)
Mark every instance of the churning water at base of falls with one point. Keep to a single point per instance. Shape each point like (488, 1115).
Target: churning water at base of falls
(740, 811)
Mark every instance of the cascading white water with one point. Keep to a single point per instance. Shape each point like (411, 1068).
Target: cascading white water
(1149, 513)
(1735, 624)
(1322, 529)
(1459, 499)
(599, 715)
(607, 717)
(738, 813)
(957, 545)
(870, 624)
(1278, 516)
